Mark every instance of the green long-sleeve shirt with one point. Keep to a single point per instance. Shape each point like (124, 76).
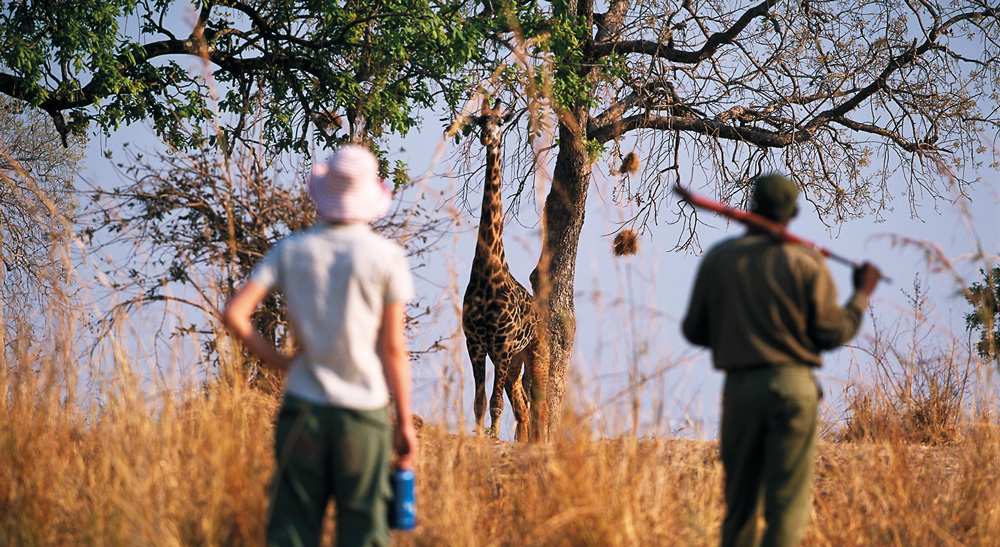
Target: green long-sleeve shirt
(760, 302)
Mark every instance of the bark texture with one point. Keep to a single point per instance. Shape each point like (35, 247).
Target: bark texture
(564, 215)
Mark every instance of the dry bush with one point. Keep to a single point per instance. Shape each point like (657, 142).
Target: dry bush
(579, 490)
(915, 386)
(902, 494)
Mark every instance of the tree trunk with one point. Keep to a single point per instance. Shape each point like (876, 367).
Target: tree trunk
(563, 219)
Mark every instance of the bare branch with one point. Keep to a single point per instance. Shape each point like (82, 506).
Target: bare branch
(906, 58)
(917, 147)
(709, 127)
(670, 53)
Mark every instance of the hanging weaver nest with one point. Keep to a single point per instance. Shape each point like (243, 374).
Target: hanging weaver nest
(626, 243)
(630, 164)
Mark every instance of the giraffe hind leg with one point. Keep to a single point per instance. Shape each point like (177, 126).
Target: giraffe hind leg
(527, 372)
(536, 385)
(478, 357)
(518, 400)
(501, 370)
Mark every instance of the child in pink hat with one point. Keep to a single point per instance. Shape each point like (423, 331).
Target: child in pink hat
(346, 289)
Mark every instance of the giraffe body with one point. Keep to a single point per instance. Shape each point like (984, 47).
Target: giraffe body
(498, 314)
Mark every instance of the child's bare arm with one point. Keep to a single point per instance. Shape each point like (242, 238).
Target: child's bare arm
(236, 317)
(396, 367)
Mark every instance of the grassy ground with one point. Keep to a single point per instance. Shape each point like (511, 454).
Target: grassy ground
(192, 470)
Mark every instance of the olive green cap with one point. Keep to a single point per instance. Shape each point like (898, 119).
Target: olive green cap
(775, 196)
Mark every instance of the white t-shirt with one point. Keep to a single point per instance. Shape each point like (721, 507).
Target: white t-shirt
(336, 281)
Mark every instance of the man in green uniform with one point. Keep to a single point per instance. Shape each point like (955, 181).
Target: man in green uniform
(767, 309)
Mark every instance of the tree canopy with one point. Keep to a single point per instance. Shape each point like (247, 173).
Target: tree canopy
(842, 95)
(348, 70)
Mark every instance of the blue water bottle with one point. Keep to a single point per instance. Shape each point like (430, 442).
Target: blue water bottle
(403, 514)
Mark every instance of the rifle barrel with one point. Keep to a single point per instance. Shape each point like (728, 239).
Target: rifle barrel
(778, 231)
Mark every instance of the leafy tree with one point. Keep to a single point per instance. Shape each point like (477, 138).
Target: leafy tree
(349, 70)
(841, 95)
(983, 296)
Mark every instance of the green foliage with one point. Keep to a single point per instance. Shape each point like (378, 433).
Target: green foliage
(614, 67)
(595, 150)
(985, 316)
(369, 63)
(400, 175)
(570, 87)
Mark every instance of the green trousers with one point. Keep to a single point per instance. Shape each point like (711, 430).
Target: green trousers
(325, 452)
(768, 444)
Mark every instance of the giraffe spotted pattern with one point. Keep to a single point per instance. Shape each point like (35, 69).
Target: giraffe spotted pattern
(498, 315)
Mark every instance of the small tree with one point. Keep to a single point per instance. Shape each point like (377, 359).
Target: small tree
(984, 318)
(36, 202)
(197, 224)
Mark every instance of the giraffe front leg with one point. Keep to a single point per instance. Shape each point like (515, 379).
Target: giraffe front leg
(501, 368)
(478, 356)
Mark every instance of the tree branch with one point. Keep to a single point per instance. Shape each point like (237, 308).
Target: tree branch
(705, 126)
(642, 95)
(916, 147)
(609, 23)
(670, 53)
(906, 58)
(88, 94)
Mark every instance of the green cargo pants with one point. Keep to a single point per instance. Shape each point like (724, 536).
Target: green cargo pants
(768, 443)
(326, 452)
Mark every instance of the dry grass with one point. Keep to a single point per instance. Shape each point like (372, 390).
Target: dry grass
(130, 471)
(191, 469)
(918, 382)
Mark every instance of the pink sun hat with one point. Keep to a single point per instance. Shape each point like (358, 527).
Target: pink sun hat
(346, 187)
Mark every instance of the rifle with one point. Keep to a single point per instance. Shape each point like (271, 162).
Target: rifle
(774, 229)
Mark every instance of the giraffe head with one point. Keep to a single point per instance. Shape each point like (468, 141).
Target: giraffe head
(490, 119)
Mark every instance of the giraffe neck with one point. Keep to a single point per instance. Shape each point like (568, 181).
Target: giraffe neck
(489, 247)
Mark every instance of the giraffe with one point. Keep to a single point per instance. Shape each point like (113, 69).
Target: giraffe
(498, 314)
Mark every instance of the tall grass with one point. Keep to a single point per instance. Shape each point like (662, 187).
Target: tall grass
(190, 467)
(123, 468)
